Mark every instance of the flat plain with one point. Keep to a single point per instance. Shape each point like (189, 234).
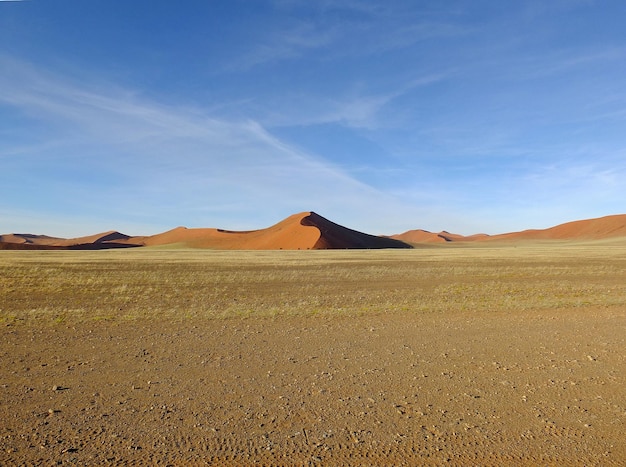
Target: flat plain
(494, 354)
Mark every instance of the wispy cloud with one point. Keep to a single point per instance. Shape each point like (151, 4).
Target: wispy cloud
(359, 109)
(289, 42)
(337, 30)
(128, 157)
(564, 61)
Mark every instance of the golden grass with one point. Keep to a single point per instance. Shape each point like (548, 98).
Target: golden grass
(75, 286)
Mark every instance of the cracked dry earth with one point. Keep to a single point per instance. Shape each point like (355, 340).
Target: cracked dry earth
(521, 388)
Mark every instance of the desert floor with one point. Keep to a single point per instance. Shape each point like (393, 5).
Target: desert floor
(505, 355)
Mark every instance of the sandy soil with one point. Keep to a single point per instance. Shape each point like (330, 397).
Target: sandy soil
(521, 388)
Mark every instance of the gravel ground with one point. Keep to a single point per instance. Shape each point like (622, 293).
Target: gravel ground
(491, 388)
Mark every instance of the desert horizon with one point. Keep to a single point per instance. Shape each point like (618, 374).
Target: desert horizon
(455, 294)
(308, 343)
(308, 230)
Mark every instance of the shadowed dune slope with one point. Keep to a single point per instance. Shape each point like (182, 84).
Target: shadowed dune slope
(30, 239)
(26, 246)
(309, 231)
(303, 231)
(105, 237)
(334, 236)
(105, 240)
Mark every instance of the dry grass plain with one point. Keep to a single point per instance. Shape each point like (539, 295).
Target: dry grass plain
(458, 355)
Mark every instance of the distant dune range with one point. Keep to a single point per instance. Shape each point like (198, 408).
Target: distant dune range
(589, 229)
(309, 231)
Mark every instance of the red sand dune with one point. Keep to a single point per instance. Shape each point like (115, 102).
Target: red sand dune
(589, 229)
(304, 231)
(334, 236)
(29, 239)
(420, 236)
(99, 241)
(106, 237)
(29, 242)
(424, 236)
(310, 231)
(289, 234)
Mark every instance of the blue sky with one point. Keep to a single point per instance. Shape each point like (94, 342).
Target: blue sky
(470, 116)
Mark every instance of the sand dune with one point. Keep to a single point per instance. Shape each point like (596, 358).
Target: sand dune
(106, 237)
(289, 234)
(30, 242)
(310, 231)
(30, 239)
(303, 231)
(419, 236)
(588, 229)
(105, 240)
(334, 236)
(424, 236)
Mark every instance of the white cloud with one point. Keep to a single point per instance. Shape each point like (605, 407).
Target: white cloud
(119, 156)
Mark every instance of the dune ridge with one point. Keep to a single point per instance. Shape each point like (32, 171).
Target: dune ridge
(588, 229)
(289, 234)
(310, 231)
(104, 240)
(424, 236)
(335, 236)
(302, 231)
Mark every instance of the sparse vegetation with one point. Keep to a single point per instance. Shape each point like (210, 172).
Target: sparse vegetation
(68, 286)
(470, 355)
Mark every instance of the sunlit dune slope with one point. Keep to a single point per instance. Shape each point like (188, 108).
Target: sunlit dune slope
(288, 234)
(110, 239)
(589, 229)
(303, 231)
(310, 231)
(424, 236)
